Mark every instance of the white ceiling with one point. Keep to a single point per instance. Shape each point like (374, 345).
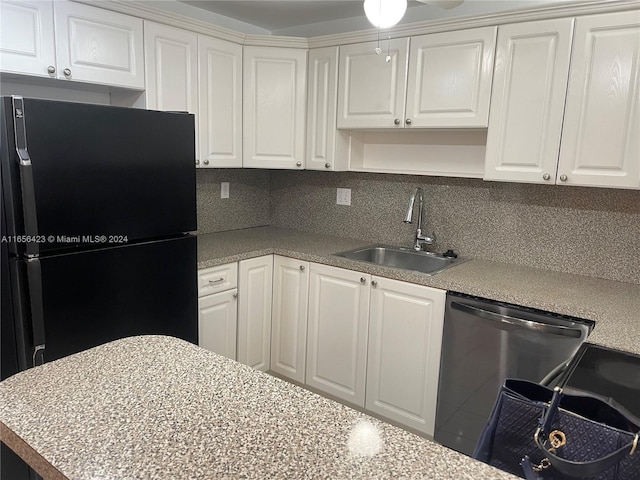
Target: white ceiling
(288, 17)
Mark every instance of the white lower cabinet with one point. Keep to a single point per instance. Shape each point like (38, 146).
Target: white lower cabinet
(218, 309)
(370, 341)
(289, 317)
(255, 279)
(403, 364)
(337, 332)
(217, 318)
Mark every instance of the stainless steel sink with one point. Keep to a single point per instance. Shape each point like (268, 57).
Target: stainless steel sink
(429, 263)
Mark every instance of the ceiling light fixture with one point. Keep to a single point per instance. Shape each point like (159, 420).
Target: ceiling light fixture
(384, 13)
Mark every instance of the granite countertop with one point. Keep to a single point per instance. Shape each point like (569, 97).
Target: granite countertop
(156, 407)
(614, 306)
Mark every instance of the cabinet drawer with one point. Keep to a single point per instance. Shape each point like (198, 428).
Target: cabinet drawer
(217, 279)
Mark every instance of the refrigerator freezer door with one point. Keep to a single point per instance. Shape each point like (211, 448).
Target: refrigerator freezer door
(102, 171)
(93, 297)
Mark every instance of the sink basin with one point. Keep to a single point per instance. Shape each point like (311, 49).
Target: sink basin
(424, 262)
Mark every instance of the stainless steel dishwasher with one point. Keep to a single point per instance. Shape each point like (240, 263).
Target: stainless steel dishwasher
(483, 343)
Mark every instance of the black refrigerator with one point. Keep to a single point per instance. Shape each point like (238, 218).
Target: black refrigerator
(97, 206)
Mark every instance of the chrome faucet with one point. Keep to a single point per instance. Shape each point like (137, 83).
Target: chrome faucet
(421, 240)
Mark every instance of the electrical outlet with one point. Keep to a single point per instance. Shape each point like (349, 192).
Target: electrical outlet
(343, 196)
(224, 190)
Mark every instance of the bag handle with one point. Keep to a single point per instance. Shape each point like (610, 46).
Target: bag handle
(586, 469)
(577, 469)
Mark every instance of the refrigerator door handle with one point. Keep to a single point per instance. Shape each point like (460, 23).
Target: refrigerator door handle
(34, 279)
(26, 178)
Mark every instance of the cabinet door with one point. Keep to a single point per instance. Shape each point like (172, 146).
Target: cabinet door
(254, 312)
(527, 102)
(220, 99)
(274, 95)
(405, 335)
(217, 318)
(449, 81)
(26, 38)
(371, 91)
(327, 147)
(171, 62)
(289, 317)
(337, 332)
(601, 133)
(98, 46)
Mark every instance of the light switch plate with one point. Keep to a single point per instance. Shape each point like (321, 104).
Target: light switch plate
(224, 190)
(343, 196)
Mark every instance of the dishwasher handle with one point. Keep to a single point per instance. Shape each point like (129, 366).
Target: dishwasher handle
(518, 322)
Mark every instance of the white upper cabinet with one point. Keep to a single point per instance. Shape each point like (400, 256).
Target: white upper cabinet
(26, 38)
(171, 59)
(274, 107)
(601, 134)
(405, 337)
(98, 46)
(527, 103)
(89, 45)
(220, 99)
(371, 91)
(327, 147)
(337, 332)
(449, 82)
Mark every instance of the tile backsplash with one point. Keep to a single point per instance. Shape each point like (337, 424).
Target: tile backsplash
(247, 205)
(588, 231)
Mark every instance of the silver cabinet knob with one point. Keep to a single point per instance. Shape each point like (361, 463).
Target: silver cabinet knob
(563, 178)
(327, 165)
(546, 176)
(374, 284)
(363, 280)
(298, 164)
(396, 121)
(67, 72)
(408, 121)
(51, 69)
(197, 162)
(206, 162)
(235, 296)
(302, 268)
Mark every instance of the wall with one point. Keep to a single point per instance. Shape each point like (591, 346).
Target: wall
(589, 231)
(247, 205)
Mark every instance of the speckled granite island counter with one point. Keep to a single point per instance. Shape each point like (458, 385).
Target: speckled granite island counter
(156, 407)
(614, 306)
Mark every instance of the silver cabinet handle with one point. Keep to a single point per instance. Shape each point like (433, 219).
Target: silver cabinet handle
(217, 281)
(518, 322)
(374, 284)
(546, 176)
(327, 165)
(298, 164)
(235, 296)
(563, 178)
(302, 268)
(206, 162)
(67, 72)
(396, 121)
(51, 69)
(408, 121)
(363, 280)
